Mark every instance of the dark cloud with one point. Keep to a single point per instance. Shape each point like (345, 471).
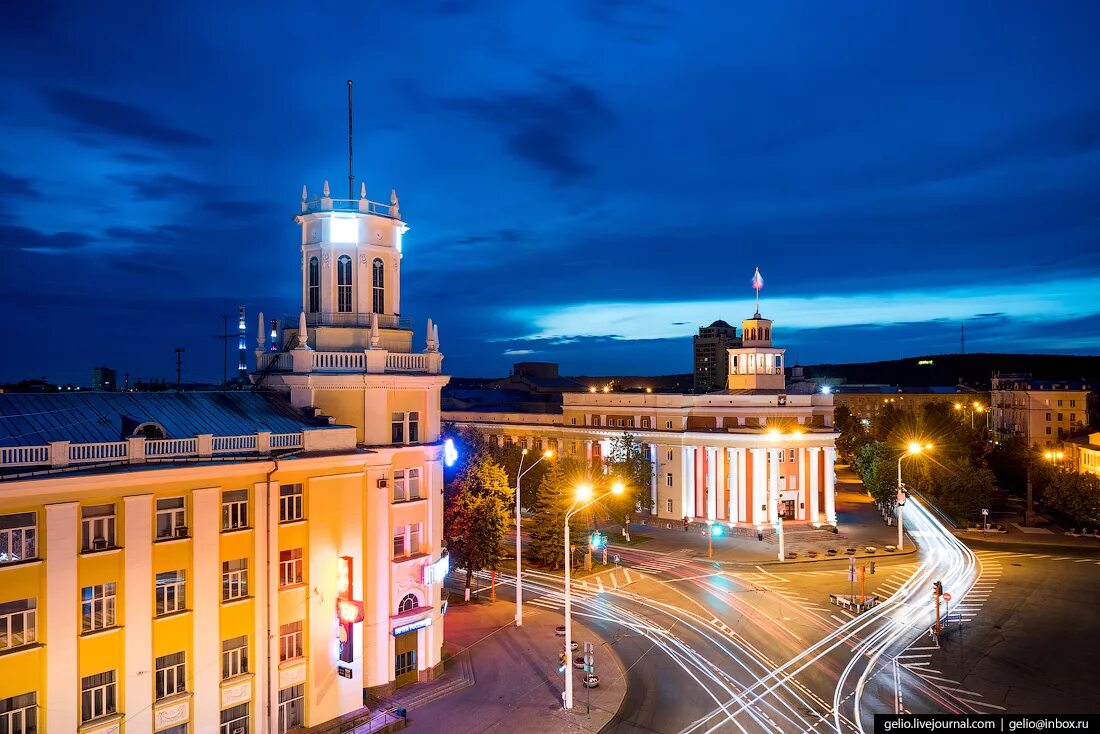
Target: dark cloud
(16, 185)
(24, 238)
(160, 186)
(103, 116)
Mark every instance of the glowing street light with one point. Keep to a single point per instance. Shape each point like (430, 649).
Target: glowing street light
(519, 572)
(913, 449)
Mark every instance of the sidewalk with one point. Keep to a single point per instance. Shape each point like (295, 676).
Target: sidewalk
(503, 678)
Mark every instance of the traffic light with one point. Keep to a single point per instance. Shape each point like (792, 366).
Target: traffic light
(562, 661)
(872, 568)
(937, 588)
(717, 530)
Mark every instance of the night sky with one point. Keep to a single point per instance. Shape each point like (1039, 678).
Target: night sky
(585, 183)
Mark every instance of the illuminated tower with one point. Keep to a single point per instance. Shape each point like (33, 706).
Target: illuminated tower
(242, 364)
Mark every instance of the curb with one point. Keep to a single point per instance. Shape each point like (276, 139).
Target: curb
(1009, 546)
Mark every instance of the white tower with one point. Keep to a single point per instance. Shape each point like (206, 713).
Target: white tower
(756, 364)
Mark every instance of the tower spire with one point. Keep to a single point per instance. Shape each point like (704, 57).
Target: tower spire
(757, 284)
(351, 176)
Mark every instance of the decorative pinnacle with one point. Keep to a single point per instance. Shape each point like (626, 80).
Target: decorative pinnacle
(326, 188)
(261, 333)
(375, 340)
(362, 189)
(303, 337)
(305, 194)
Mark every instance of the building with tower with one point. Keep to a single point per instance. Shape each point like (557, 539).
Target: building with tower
(711, 347)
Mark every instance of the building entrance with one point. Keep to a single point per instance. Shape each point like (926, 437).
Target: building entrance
(786, 509)
(404, 666)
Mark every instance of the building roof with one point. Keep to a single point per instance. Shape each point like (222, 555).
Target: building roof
(895, 389)
(35, 419)
(720, 324)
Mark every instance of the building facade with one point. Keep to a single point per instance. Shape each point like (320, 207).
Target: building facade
(867, 402)
(746, 456)
(1044, 412)
(234, 562)
(1085, 456)
(711, 347)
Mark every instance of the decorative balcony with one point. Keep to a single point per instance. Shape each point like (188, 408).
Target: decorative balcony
(371, 361)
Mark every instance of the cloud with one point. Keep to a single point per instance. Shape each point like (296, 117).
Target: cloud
(101, 116)
(31, 240)
(16, 185)
(518, 352)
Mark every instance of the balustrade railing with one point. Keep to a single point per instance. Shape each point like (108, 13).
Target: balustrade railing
(24, 455)
(233, 444)
(84, 453)
(286, 440)
(339, 361)
(171, 447)
(407, 362)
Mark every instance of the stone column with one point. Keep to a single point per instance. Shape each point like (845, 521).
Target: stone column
(138, 609)
(759, 488)
(812, 488)
(731, 481)
(712, 482)
(653, 478)
(773, 484)
(205, 589)
(62, 611)
(743, 509)
(830, 489)
(687, 486)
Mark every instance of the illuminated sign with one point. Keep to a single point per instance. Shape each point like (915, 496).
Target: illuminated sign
(925, 361)
(348, 610)
(450, 453)
(412, 626)
(436, 572)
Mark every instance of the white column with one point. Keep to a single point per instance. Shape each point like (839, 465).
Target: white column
(687, 483)
(830, 489)
(759, 493)
(773, 484)
(377, 658)
(433, 636)
(205, 617)
(653, 478)
(744, 513)
(138, 610)
(62, 624)
(731, 482)
(588, 453)
(266, 579)
(712, 483)
(813, 488)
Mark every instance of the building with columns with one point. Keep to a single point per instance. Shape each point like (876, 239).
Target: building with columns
(235, 562)
(745, 456)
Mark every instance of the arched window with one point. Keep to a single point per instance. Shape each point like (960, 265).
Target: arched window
(378, 278)
(408, 602)
(150, 430)
(767, 334)
(343, 284)
(314, 285)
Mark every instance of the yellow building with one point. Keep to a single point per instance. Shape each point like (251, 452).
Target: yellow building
(175, 562)
(1086, 453)
(1043, 412)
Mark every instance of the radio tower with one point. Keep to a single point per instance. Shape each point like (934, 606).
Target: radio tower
(242, 364)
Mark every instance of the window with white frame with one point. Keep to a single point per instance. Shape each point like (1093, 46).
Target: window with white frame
(171, 592)
(97, 695)
(97, 527)
(291, 708)
(668, 479)
(290, 640)
(668, 455)
(378, 286)
(97, 607)
(18, 537)
(414, 538)
(413, 476)
(314, 285)
(668, 424)
(177, 729)
(19, 714)
(290, 567)
(668, 506)
(234, 656)
(343, 284)
(399, 547)
(171, 518)
(408, 603)
(235, 720)
(171, 675)
(290, 503)
(17, 624)
(573, 421)
(793, 455)
(235, 509)
(397, 428)
(779, 455)
(400, 491)
(414, 427)
(234, 579)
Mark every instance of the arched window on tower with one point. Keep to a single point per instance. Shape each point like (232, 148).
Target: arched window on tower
(343, 284)
(767, 333)
(314, 285)
(378, 278)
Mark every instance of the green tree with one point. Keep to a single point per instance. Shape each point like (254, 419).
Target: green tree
(1074, 495)
(628, 462)
(853, 434)
(1009, 461)
(962, 489)
(477, 514)
(546, 543)
(878, 471)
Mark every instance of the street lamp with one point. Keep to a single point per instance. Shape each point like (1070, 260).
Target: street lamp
(519, 576)
(913, 449)
(584, 499)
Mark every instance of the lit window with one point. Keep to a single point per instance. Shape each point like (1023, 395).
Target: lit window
(343, 284)
(18, 534)
(97, 695)
(344, 230)
(378, 286)
(290, 567)
(97, 607)
(171, 592)
(17, 626)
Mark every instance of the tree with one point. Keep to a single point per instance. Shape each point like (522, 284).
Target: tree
(508, 456)
(873, 464)
(477, 515)
(546, 544)
(962, 489)
(1009, 461)
(1075, 495)
(853, 435)
(628, 462)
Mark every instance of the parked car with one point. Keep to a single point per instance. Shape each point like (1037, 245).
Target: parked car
(560, 630)
(591, 681)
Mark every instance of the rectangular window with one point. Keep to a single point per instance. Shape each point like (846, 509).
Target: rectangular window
(572, 448)
(399, 542)
(1073, 403)
(1060, 417)
(171, 592)
(1059, 403)
(1072, 417)
(645, 422)
(171, 675)
(1048, 416)
(234, 656)
(234, 579)
(97, 695)
(97, 607)
(235, 509)
(17, 625)
(404, 662)
(414, 538)
(18, 537)
(793, 455)
(400, 491)
(97, 527)
(780, 454)
(397, 428)
(290, 567)
(414, 484)
(668, 455)
(291, 708)
(668, 479)
(1048, 432)
(171, 518)
(414, 427)
(595, 420)
(668, 506)
(668, 424)
(290, 640)
(177, 729)
(573, 421)
(406, 485)
(19, 714)
(235, 720)
(290, 503)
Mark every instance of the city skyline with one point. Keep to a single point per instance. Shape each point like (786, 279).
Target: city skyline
(574, 178)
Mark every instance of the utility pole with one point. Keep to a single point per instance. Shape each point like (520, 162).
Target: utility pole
(179, 365)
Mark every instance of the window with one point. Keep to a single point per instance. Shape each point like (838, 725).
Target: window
(668, 424)
(97, 607)
(1048, 431)
(343, 284)
(645, 422)
(177, 729)
(397, 428)
(235, 509)
(793, 455)
(1060, 417)
(414, 427)
(19, 714)
(97, 527)
(1059, 403)
(17, 625)
(290, 640)
(668, 506)
(408, 602)
(572, 448)
(18, 537)
(399, 542)
(171, 592)
(668, 455)
(291, 708)
(573, 421)
(406, 485)
(171, 518)
(235, 720)
(668, 479)
(97, 695)
(234, 579)
(1073, 403)
(234, 656)
(595, 420)
(1048, 416)
(414, 484)
(780, 454)
(1072, 417)
(290, 503)
(290, 567)
(171, 675)
(414, 538)
(404, 662)
(314, 285)
(378, 291)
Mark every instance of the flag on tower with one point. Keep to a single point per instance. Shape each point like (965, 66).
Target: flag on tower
(757, 280)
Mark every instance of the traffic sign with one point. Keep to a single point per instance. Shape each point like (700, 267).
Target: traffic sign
(946, 596)
(985, 510)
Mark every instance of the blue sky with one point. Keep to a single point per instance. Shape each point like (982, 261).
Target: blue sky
(585, 182)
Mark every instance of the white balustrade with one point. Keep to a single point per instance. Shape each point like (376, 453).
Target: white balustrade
(85, 453)
(171, 447)
(286, 440)
(234, 444)
(406, 362)
(350, 361)
(24, 455)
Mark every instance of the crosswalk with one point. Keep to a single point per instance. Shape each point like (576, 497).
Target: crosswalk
(656, 563)
(991, 555)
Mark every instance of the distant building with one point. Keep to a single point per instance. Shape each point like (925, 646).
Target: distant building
(866, 402)
(539, 377)
(711, 355)
(1085, 453)
(1043, 412)
(104, 378)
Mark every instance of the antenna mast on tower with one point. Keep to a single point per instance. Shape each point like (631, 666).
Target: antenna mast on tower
(351, 176)
(962, 337)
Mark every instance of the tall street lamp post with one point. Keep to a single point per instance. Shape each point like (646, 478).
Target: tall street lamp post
(520, 473)
(913, 449)
(584, 495)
